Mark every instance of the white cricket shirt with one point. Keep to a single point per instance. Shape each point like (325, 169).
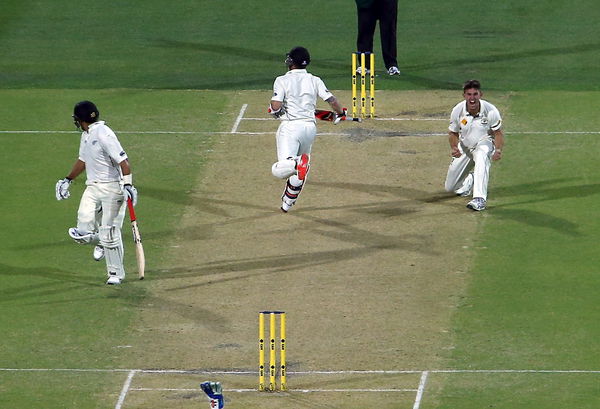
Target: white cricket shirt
(298, 91)
(102, 153)
(472, 129)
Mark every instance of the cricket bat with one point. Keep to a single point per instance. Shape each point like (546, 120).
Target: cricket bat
(137, 239)
(330, 116)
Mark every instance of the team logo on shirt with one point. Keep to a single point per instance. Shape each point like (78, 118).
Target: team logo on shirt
(484, 120)
(464, 121)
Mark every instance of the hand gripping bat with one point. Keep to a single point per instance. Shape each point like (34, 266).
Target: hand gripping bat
(137, 239)
(332, 116)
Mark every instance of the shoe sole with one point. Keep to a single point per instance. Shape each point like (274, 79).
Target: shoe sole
(475, 208)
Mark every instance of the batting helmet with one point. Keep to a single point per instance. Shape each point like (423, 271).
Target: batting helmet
(297, 56)
(86, 111)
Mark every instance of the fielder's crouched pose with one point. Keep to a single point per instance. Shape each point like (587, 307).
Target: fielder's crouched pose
(108, 187)
(293, 102)
(475, 135)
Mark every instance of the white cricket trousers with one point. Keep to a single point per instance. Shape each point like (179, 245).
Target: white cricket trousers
(295, 138)
(477, 159)
(102, 204)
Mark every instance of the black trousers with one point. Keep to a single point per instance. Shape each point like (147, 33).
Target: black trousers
(386, 11)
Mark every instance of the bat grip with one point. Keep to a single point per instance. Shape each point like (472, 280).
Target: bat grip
(131, 210)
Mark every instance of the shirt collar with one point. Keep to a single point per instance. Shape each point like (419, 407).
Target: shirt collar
(94, 124)
(478, 114)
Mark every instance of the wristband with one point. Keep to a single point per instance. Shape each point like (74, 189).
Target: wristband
(128, 179)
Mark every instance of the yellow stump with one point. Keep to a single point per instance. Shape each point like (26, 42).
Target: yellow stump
(272, 351)
(282, 352)
(354, 84)
(261, 351)
(363, 86)
(372, 86)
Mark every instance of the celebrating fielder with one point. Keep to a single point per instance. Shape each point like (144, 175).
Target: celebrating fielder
(108, 187)
(293, 102)
(475, 135)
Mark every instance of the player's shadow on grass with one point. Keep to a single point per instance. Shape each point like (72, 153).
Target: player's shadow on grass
(55, 282)
(542, 191)
(537, 219)
(264, 81)
(507, 56)
(385, 191)
(232, 270)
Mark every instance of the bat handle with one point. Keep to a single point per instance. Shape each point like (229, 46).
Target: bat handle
(131, 209)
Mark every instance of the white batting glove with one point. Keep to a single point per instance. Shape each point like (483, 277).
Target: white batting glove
(276, 113)
(130, 192)
(340, 117)
(62, 189)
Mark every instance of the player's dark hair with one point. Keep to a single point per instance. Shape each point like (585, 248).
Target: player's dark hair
(471, 84)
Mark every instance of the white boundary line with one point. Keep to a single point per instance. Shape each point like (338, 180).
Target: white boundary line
(125, 389)
(239, 118)
(421, 389)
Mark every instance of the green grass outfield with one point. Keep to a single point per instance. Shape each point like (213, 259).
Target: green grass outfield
(532, 301)
(509, 45)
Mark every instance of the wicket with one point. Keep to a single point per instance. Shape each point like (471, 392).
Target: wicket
(363, 84)
(272, 353)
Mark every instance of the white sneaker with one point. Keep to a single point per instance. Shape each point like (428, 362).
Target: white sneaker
(98, 253)
(393, 71)
(285, 207)
(86, 238)
(477, 204)
(113, 279)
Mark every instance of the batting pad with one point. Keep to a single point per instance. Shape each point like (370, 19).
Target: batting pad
(110, 238)
(284, 168)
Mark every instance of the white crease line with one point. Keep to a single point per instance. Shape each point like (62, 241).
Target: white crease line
(317, 372)
(421, 390)
(239, 118)
(245, 390)
(376, 119)
(125, 389)
(33, 132)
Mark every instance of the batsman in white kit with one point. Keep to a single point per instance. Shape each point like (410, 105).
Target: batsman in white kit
(294, 102)
(476, 138)
(109, 185)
